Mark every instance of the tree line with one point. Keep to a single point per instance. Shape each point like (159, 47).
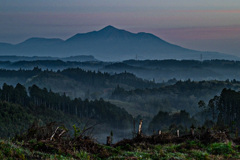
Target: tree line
(224, 110)
(35, 97)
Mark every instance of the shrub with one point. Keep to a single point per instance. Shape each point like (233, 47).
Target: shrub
(221, 148)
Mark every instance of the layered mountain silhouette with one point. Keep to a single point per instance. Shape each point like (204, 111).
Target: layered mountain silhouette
(80, 58)
(108, 44)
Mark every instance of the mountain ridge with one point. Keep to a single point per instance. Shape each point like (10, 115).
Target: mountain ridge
(108, 44)
(79, 58)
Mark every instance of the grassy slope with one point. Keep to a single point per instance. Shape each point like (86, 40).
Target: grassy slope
(187, 150)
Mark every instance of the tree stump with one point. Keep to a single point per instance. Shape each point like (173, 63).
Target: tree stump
(177, 133)
(236, 133)
(159, 132)
(192, 131)
(140, 127)
(109, 140)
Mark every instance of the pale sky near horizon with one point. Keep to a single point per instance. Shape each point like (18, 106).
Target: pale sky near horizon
(206, 25)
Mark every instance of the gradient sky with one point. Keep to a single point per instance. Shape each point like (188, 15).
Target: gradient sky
(206, 25)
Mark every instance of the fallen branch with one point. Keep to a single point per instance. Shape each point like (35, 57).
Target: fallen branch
(54, 134)
(64, 131)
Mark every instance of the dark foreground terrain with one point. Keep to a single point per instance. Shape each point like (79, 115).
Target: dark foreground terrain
(52, 142)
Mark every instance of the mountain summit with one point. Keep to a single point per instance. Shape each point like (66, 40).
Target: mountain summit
(108, 44)
(109, 28)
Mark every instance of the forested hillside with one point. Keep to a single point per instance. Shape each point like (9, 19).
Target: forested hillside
(183, 95)
(83, 94)
(224, 109)
(220, 140)
(19, 107)
(157, 70)
(75, 82)
(171, 106)
(137, 96)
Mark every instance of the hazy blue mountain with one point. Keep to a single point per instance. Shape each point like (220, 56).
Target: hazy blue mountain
(109, 44)
(81, 58)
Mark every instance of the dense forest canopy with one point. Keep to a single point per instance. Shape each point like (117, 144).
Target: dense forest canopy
(159, 70)
(183, 95)
(21, 105)
(165, 121)
(75, 82)
(225, 108)
(86, 77)
(115, 99)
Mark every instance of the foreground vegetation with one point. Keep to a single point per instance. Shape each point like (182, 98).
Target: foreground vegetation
(52, 141)
(190, 149)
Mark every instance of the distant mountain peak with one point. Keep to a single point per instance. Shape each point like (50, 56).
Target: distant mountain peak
(111, 29)
(108, 30)
(109, 43)
(112, 33)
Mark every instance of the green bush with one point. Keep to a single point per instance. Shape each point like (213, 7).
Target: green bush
(83, 155)
(199, 155)
(220, 149)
